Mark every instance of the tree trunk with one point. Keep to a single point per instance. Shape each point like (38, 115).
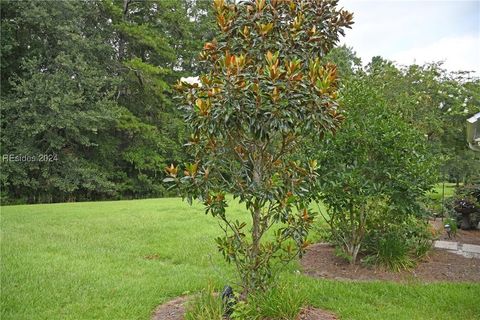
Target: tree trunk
(256, 229)
(121, 42)
(354, 254)
(358, 232)
(256, 236)
(465, 225)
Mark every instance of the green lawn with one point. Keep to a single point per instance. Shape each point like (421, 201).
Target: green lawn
(118, 260)
(437, 191)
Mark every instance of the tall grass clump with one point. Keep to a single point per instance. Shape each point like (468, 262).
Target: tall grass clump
(399, 246)
(205, 306)
(280, 302)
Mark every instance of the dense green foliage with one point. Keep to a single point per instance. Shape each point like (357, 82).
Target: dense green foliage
(376, 165)
(266, 90)
(87, 83)
(437, 103)
(428, 98)
(119, 260)
(405, 130)
(56, 99)
(86, 90)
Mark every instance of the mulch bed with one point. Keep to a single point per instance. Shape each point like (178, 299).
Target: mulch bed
(441, 265)
(172, 310)
(175, 309)
(316, 314)
(462, 236)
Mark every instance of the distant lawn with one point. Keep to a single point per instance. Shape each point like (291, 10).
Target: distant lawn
(436, 194)
(119, 260)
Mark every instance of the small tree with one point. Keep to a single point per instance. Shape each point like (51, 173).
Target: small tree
(266, 90)
(376, 165)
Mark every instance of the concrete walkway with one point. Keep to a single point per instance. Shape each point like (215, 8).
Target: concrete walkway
(464, 249)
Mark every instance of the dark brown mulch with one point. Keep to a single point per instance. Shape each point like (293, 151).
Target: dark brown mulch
(172, 310)
(441, 265)
(175, 309)
(462, 236)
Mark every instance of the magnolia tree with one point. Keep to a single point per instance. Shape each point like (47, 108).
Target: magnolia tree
(267, 89)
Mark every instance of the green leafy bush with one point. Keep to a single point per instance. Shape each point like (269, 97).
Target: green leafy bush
(376, 167)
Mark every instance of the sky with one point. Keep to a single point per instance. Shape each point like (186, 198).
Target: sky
(409, 31)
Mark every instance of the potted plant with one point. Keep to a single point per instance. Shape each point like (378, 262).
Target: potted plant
(467, 206)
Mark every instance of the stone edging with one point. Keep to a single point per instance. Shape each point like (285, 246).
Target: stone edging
(464, 249)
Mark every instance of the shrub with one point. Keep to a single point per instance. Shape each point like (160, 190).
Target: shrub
(376, 167)
(452, 222)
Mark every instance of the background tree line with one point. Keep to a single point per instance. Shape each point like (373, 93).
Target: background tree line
(90, 82)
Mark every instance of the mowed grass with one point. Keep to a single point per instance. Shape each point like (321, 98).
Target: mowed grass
(119, 260)
(437, 192)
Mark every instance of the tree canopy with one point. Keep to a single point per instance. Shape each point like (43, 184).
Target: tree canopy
(87, 86)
